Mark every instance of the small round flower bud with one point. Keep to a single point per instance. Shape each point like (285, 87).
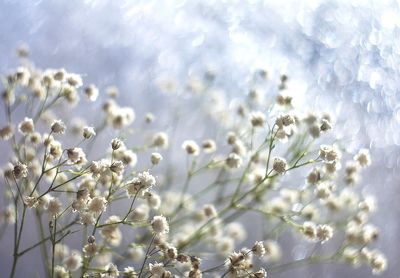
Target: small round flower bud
(149, 118)
(231, 138)
(91, 239)
(112, 91)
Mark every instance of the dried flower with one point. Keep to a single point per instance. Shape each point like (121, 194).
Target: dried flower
(279, 165)
(20, 170)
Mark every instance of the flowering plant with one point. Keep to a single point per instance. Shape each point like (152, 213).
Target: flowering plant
(139, 217)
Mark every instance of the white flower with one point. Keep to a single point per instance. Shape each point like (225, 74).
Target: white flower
(91, 92)
(97, 205)
(60, 272)
(111, 271)
(20, 170)
(157, 269)
(160, 225)
(378, 263)
(324, 233)
(129, 272)
(6, 132)
(309, 230)
(155, 158)
(74, 80)
(26, 126)
(73, 262)
(257, 119)
(160, 140)
(76, 156)
(142, 181)
(261, 273)
(87, 218)
(88, 132)
(325, 125)
(58, 127)
(258, 249)
(233, 161)
(329, 154)
(140, 213)
(117, 167)
(191, 147)
(323, 190)
(153, 200)
(284, 121)
(209, 211)
(209, 146)
(30, 202)
(54, 207)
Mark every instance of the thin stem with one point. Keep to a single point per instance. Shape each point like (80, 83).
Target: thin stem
(146, 256)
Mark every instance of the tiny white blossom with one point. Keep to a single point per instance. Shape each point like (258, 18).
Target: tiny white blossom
(58, 127)
(91, 92)
(191, 147)
(155, 158)
(26, 126)
(160, 225)
(88, 132)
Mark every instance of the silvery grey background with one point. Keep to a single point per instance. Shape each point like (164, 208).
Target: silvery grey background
(343, 57)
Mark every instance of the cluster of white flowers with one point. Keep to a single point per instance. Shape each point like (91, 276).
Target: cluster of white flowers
(60, 172)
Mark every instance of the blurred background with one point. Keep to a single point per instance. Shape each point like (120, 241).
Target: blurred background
(342, 57)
